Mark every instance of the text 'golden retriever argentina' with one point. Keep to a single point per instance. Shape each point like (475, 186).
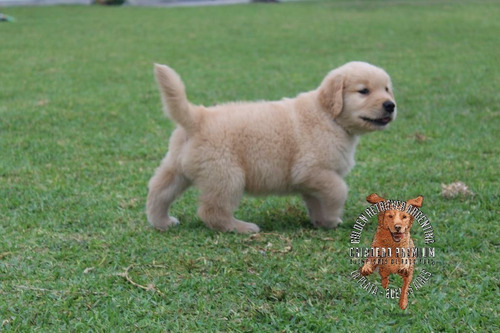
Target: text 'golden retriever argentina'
(299, 145)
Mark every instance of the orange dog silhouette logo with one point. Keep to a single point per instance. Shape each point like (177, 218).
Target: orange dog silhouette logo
(393, 231)
(392, 250)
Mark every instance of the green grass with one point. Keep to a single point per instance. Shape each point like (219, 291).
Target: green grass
(82, 131)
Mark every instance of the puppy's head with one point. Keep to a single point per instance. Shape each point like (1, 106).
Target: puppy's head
(396, 222)
(359, 97)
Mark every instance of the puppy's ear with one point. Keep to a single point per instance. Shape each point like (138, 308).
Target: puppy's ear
(417, 202)
(331, 93)
(374, 198)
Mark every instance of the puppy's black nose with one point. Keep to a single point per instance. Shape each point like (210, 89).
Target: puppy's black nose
(389, 106)
(397, 227)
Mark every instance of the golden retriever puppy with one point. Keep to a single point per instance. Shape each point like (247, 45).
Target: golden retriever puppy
(301, 145)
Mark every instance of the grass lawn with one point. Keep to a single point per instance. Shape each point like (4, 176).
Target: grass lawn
(81, 132)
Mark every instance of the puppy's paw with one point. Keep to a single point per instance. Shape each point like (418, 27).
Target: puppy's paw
(244, 228)
(333, 223)
(174, 220)
(164, 224)
(327, 223)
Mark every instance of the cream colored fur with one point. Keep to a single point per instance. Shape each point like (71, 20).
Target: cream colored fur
(301, 145)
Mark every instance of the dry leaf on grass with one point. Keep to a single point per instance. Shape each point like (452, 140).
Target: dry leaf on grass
(261, 238)
(455, 189)
(148, 287)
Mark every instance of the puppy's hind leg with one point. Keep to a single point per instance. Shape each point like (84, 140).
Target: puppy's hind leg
(164, 187)
(218, 202)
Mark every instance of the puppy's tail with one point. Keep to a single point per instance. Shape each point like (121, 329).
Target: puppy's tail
(173, 95)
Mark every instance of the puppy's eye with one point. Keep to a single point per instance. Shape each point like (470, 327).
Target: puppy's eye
(405, 217)
(364, 91)
(390, 216)
(386, 89)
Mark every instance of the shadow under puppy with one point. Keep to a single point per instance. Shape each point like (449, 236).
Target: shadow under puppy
(299, 145)
(393, 231)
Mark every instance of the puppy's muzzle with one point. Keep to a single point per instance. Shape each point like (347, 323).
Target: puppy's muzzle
(389, 106)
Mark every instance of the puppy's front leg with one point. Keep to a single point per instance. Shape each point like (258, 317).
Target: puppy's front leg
(313, 208)
(325, 198)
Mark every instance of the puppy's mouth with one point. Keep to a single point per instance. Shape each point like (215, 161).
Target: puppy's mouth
(378, 121)
(397, 236)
